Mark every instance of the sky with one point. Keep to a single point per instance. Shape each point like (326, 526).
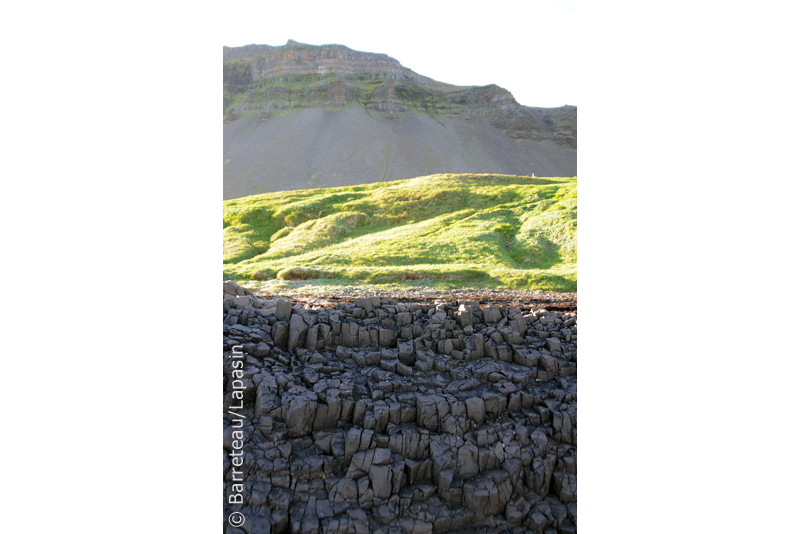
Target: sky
(529, 48)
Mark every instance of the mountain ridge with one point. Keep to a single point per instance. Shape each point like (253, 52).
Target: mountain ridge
(272, 92)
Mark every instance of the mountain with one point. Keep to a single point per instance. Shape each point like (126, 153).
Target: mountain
(302, 116)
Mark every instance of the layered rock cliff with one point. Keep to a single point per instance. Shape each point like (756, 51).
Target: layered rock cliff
(280, 102)
(407, 418)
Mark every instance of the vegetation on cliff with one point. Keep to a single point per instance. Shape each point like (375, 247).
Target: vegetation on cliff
(260, 79)
(443, 231)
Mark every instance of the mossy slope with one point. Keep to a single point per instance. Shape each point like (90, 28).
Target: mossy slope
(443, 230)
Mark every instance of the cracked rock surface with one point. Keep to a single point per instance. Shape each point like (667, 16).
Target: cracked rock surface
(412, 418)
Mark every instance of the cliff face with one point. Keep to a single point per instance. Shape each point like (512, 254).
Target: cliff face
(262, 83)
(297, 59)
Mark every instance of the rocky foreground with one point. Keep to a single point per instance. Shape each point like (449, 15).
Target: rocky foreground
(414, 417)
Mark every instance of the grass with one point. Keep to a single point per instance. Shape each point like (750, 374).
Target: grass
(443, 231)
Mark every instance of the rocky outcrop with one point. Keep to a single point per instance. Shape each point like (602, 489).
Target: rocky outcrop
(376, 416)
(298, 59)
(384, 98)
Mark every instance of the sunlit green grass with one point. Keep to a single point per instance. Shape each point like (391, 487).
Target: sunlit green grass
(448, 231)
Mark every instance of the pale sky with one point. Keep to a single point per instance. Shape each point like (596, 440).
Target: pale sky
(529, 48)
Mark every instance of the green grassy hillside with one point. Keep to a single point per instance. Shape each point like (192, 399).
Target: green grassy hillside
(443, 231)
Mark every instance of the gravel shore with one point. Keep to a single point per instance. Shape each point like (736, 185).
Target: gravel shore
(310, 292)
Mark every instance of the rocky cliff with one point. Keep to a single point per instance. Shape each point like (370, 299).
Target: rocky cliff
(409, 418)
(279, 103)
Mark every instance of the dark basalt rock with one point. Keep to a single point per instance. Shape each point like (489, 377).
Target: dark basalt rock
(410, 418)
